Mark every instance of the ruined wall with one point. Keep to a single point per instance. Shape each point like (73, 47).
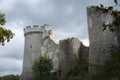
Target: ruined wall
(41, 41)
(70, 50)
(100, 41)
(51, 49)
(84, 52)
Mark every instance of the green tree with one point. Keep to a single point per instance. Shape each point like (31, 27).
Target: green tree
(5, 34)
(79, 71)
(110, 71)
(10, 77)
(42, 69)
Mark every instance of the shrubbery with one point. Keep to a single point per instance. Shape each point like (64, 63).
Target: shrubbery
(79, 71)
(111, 69)
(42, 69)
(10, 77)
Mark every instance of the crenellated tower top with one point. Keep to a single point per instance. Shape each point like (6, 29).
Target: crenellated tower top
(36, 29)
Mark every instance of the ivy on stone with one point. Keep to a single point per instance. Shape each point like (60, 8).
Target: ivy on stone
(116, 17)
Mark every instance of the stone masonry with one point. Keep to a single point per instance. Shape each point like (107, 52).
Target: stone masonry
(38, 41)
(100, 41)
(41, 41)
(71, 49)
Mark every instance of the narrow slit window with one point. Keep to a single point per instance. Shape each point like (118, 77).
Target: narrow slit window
(30, 46)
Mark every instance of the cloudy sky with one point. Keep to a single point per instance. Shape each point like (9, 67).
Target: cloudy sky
(67, 18)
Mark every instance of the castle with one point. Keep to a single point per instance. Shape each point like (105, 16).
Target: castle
(40, 40)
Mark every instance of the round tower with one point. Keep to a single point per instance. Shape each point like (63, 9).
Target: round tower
(32, 48)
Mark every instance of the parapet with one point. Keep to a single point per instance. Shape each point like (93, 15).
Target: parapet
(36, 29)
(46, 27)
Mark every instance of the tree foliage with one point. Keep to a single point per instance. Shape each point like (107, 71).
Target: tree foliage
(79, 71)
(5, 34)
(10, 77)
(116, 2)
(110, 71)
(42, 69)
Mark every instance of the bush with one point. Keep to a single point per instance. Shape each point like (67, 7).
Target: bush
(10, 77)
(42, 69)
(110, 71)
(79, 71)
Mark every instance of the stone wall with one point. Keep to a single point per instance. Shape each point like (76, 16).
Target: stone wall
(84, 52)
(100, 41)
(70, 50)
(38, 41)
(51, 49)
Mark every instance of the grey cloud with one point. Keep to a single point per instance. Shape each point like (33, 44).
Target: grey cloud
(10, 65)
(8, 72)
(13, 49)
(14, 55)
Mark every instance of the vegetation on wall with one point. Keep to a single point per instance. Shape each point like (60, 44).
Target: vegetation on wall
(115, 13)
(111, 68)
(67, 40)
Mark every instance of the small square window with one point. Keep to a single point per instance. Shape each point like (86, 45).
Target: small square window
(30, 46)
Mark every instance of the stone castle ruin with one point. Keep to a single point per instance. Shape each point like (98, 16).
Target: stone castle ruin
(39, 40)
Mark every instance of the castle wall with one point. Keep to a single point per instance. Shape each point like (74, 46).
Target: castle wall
(51, 49)
(70, 50)
(84, 52)
(100, 41)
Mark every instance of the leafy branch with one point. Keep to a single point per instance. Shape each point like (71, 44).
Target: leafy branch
(5, 34)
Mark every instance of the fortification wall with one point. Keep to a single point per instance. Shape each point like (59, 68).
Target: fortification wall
(84, 52)
(100, 41)
(51, 49)
(70, 50)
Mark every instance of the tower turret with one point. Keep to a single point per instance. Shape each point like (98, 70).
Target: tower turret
(32, 45)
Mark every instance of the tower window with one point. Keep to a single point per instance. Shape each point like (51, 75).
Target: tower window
(30, 46)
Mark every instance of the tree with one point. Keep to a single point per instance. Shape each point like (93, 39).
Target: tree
(110, 70)
(5, 34)
(79, 71)
(10, 77)
(42, 69)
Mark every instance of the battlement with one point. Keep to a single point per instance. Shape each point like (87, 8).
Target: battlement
(36, 29)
